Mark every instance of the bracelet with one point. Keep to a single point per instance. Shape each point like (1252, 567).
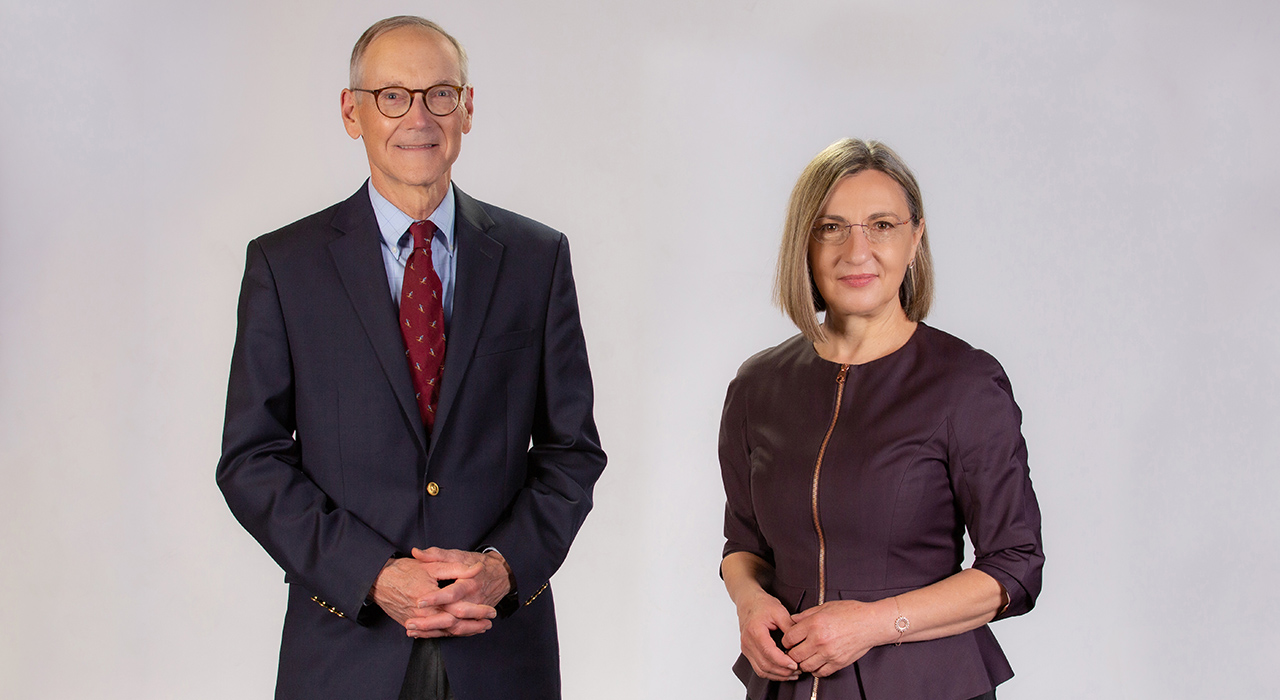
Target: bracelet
(901, 624)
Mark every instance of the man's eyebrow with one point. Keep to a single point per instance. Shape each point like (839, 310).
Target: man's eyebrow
(392, 83)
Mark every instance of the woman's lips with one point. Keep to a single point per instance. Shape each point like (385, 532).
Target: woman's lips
(858, 280)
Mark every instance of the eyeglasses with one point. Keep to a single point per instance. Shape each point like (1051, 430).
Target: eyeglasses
(395, 101)
(835, 231)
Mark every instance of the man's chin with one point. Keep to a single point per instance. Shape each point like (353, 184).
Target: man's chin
(404, 179)
(416, 169)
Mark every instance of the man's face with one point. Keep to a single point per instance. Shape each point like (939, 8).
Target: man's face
(418, 149)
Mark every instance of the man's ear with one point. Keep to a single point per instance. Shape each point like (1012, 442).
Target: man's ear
(468, 107)
(349, 120)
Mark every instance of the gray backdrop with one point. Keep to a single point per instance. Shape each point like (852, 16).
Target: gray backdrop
(1101, 185)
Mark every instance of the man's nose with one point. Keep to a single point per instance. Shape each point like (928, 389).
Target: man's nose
(418, 112)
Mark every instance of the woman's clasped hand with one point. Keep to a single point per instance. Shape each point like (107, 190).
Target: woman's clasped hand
(828, 637)
(762, 621)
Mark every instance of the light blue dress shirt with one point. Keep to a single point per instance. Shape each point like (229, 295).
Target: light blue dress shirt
(397, 244)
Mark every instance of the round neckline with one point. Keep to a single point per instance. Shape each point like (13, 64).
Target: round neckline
(911, 339)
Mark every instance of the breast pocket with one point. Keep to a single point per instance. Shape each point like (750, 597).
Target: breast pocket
(505, 342)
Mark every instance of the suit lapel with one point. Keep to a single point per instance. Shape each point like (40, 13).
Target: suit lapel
(479, 257)
(358, 257)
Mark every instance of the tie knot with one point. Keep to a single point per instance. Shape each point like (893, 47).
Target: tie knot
(422, 231)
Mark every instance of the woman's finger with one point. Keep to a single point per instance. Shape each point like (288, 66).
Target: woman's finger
(769, 649)
(806, 656)
(773, 672)
(803, 614)
(795, 636)
(766, 659)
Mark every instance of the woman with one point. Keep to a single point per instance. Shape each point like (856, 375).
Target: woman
(856, 455)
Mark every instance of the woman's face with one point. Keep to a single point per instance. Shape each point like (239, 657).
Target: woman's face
(861, 276)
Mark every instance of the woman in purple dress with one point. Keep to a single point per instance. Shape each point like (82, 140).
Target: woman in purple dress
(857, 454)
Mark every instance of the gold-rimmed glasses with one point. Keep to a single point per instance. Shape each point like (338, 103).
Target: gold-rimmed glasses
(395, 101)
(835, 231)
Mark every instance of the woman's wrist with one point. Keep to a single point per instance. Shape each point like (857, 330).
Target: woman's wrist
(750, 597)
(892, 621)
(901, 623)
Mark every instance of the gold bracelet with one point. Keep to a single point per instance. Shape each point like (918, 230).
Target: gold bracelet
(901, 624)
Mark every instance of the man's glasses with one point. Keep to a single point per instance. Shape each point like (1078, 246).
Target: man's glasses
(837, 231)
(395, 101)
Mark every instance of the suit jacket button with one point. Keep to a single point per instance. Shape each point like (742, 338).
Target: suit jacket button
(433, 488)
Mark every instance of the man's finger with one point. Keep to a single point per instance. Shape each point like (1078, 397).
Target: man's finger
(429, 634)
(464, 610)
(466, 628)
(436, 554)
(461, 589)
(432, 619)
(448, 570)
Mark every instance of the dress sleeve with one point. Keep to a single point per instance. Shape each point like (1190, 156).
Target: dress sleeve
(993, 485)
(741, 532)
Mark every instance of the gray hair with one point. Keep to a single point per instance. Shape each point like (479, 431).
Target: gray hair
(383, 26)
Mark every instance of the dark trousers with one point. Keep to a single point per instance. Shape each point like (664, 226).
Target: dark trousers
(425, 678)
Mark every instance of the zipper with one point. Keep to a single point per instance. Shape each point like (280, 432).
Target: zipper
(817, 522)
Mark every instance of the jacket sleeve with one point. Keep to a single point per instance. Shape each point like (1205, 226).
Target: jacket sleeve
(565, 458)
(741, 532)
(262, 471)
(992, 483)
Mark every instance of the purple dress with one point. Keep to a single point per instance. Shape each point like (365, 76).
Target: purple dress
(920, 445)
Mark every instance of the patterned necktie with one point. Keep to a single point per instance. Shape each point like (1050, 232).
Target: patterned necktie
(422, 321)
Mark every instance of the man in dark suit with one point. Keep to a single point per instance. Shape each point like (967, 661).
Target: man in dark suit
(409, 428)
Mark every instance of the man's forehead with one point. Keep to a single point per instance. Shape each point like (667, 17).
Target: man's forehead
(410, 49)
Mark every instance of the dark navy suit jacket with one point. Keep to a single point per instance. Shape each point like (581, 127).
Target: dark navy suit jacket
(325, 460)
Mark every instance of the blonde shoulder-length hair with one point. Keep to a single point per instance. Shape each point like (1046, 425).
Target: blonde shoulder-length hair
(794, 290)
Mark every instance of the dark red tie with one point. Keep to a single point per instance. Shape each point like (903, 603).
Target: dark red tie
(422, 321)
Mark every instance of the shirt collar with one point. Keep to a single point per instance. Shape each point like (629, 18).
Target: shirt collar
(393, 223)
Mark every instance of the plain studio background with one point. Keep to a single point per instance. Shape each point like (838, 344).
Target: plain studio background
(1101, 187)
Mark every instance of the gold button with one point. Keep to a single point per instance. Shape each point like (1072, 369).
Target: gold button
(433, 488)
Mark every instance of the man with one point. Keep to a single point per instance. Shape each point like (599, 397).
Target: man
(409, 430)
